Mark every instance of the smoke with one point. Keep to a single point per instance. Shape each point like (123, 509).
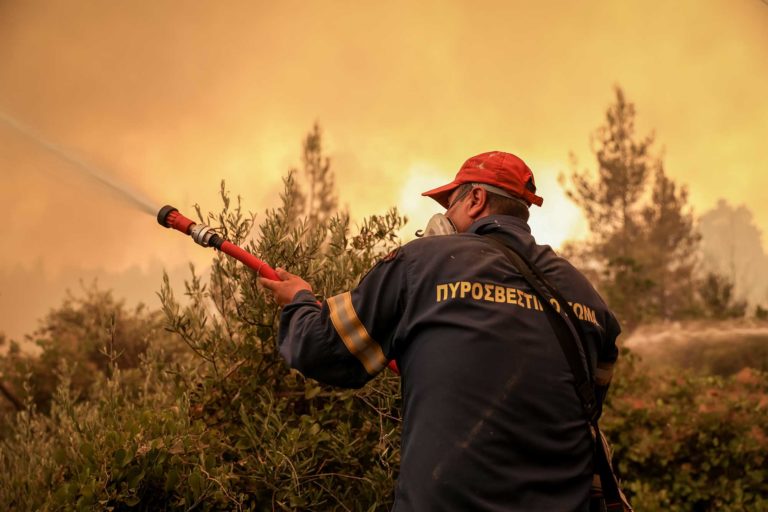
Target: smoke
(173, 100)
(732, 247)
(704, 347)
(27, 294)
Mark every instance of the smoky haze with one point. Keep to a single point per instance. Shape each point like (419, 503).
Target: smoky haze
(731, 246)
(172, 97)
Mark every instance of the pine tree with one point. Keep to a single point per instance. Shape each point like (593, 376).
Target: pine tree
(671, 248)
(611, 201)
(717, 298)
(319, 201)
(642, 232)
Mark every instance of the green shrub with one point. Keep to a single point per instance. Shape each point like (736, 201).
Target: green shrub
(126, 447)
(80, 331)
(299, 445)
(690, 442)
(225, 425)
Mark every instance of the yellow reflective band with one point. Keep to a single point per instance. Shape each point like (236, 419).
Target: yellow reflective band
(354, 334)
(603, 373)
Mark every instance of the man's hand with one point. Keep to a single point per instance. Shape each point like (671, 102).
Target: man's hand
(285, 289)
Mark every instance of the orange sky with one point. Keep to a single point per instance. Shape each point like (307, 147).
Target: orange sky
(171, 97)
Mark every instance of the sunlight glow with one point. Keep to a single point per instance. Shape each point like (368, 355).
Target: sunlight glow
(420, 177)
(558, 219)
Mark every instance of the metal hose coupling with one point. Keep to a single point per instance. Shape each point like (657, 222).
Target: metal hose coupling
(202, 235)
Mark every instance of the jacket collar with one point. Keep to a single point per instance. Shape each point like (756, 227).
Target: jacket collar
(505, 223)
(516, 230)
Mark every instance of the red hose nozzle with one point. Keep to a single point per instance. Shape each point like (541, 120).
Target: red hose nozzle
(169, 217)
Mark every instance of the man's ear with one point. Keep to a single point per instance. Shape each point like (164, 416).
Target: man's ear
(477, 203)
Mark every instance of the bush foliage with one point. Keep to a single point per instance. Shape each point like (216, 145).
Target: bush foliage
(686, 441)
(80, 332)
(224, 425)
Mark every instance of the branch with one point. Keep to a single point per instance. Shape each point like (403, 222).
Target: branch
(11, 397)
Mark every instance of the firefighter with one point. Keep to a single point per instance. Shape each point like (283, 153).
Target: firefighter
(491, 420)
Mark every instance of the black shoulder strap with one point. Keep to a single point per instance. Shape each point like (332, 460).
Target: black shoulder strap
(570, 335)
(565, 330)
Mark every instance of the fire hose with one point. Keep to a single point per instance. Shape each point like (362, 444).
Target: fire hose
(170, 217)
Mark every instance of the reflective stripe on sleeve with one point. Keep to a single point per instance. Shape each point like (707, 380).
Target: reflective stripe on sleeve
(603, 373)
(354, 334)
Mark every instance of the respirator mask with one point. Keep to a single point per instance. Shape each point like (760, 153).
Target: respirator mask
(439, 224)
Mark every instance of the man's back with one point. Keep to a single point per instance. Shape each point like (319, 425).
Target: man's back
(492, 420)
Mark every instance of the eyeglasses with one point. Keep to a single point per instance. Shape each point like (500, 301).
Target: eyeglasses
(459, 197)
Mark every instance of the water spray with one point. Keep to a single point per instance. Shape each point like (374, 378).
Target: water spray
(169, 217)
(132, 197)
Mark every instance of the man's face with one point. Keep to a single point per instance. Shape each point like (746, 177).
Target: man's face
(456, 211)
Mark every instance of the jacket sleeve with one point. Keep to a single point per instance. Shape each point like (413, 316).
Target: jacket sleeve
(349, 338)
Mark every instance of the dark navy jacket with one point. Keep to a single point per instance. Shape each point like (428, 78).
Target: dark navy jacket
(491, 420)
